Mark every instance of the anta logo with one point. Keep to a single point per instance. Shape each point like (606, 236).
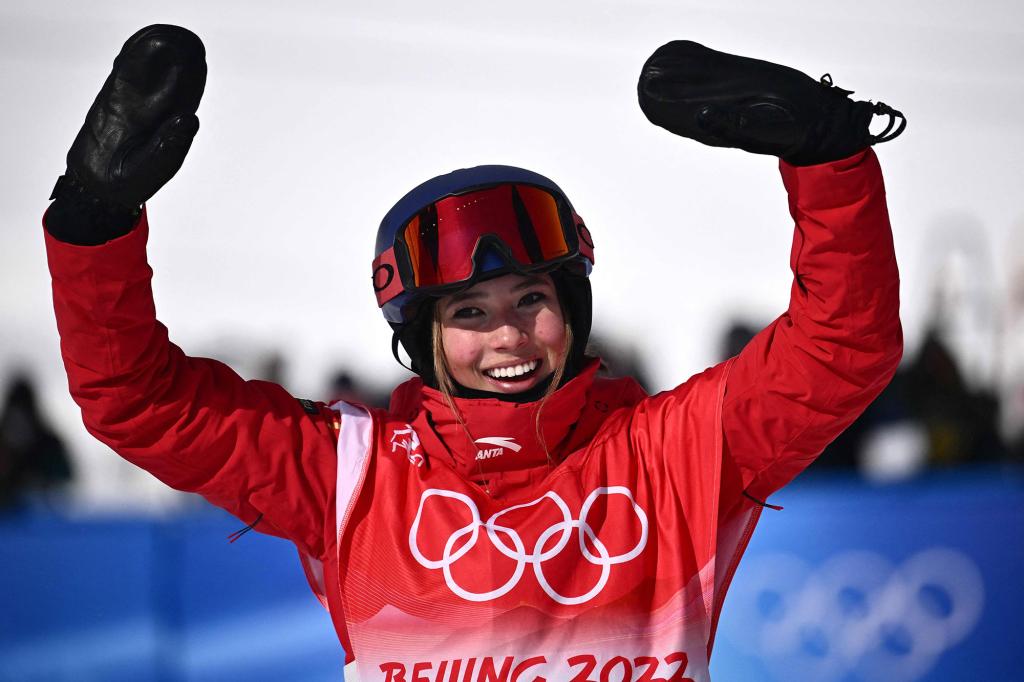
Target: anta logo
(409, 443)
(494, 446)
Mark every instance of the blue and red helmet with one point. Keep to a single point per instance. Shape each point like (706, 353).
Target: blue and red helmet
(471, 225)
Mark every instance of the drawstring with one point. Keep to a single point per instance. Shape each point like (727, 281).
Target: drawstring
(239, 533)
(879, 109)
(883, 109)
(761, 502)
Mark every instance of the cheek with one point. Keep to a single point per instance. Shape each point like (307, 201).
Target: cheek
(550, 330)
(461, 349)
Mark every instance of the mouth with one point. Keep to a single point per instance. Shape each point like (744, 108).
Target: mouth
(514, 374)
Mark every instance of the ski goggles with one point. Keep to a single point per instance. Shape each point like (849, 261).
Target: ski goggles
(451, 242)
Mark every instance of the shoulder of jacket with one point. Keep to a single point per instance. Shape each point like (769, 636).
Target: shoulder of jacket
(617, 391)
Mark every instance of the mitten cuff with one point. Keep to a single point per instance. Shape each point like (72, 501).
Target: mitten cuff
(78, 217)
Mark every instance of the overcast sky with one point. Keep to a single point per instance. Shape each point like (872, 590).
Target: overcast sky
(319, 115)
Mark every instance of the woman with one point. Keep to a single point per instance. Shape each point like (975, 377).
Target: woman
(511, 516)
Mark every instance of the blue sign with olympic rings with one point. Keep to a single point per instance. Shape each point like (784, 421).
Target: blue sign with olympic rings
(908, 583)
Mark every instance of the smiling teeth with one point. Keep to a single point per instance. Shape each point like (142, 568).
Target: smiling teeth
(516, 371)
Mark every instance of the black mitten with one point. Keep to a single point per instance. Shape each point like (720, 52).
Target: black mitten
(135, 136)
(724, 100)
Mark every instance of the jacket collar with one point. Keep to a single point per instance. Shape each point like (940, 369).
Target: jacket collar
(497, 439)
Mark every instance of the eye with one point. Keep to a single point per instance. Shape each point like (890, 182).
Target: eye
(533, 298)
(467, 313)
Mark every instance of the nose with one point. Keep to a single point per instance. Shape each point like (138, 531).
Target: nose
(511, 333)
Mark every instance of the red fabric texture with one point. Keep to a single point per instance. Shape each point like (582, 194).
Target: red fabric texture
(251, 448)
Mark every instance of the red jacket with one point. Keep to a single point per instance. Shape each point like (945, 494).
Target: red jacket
(672, 475)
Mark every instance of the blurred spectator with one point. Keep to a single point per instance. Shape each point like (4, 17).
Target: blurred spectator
(619, 360)
(737, 335)
(272, 367)
(962, 424)
(963, 294)
(32, 457)
(927, 416)
(343, 385)
(1012, 356)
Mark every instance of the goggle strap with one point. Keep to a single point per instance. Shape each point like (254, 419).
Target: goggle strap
(387, 281)
(585, 242)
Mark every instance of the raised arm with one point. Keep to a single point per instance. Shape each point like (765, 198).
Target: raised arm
(246, 446)
(803, 379)
(809, 374)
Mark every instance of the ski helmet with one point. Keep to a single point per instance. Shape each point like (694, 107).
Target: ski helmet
(471, 225)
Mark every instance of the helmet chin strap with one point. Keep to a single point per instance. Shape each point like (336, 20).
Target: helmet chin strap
(416, 338)
(395, 340)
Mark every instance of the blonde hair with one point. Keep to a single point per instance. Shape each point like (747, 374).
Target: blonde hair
(445, 383)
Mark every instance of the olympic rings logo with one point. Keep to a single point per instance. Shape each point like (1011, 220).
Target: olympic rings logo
(856, 613)
(508, 541)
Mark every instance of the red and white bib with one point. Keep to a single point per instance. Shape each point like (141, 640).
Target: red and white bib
(603, 569)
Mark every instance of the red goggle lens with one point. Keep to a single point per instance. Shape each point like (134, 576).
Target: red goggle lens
(442, 238)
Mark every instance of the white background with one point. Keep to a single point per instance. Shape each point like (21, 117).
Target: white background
(319, 115)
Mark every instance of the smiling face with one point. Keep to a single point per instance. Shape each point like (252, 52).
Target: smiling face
(504, 335)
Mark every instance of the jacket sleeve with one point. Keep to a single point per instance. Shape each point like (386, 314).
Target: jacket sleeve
(247, 446)
(808, 375)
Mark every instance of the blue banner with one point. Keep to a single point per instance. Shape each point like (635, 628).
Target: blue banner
(917, 582)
